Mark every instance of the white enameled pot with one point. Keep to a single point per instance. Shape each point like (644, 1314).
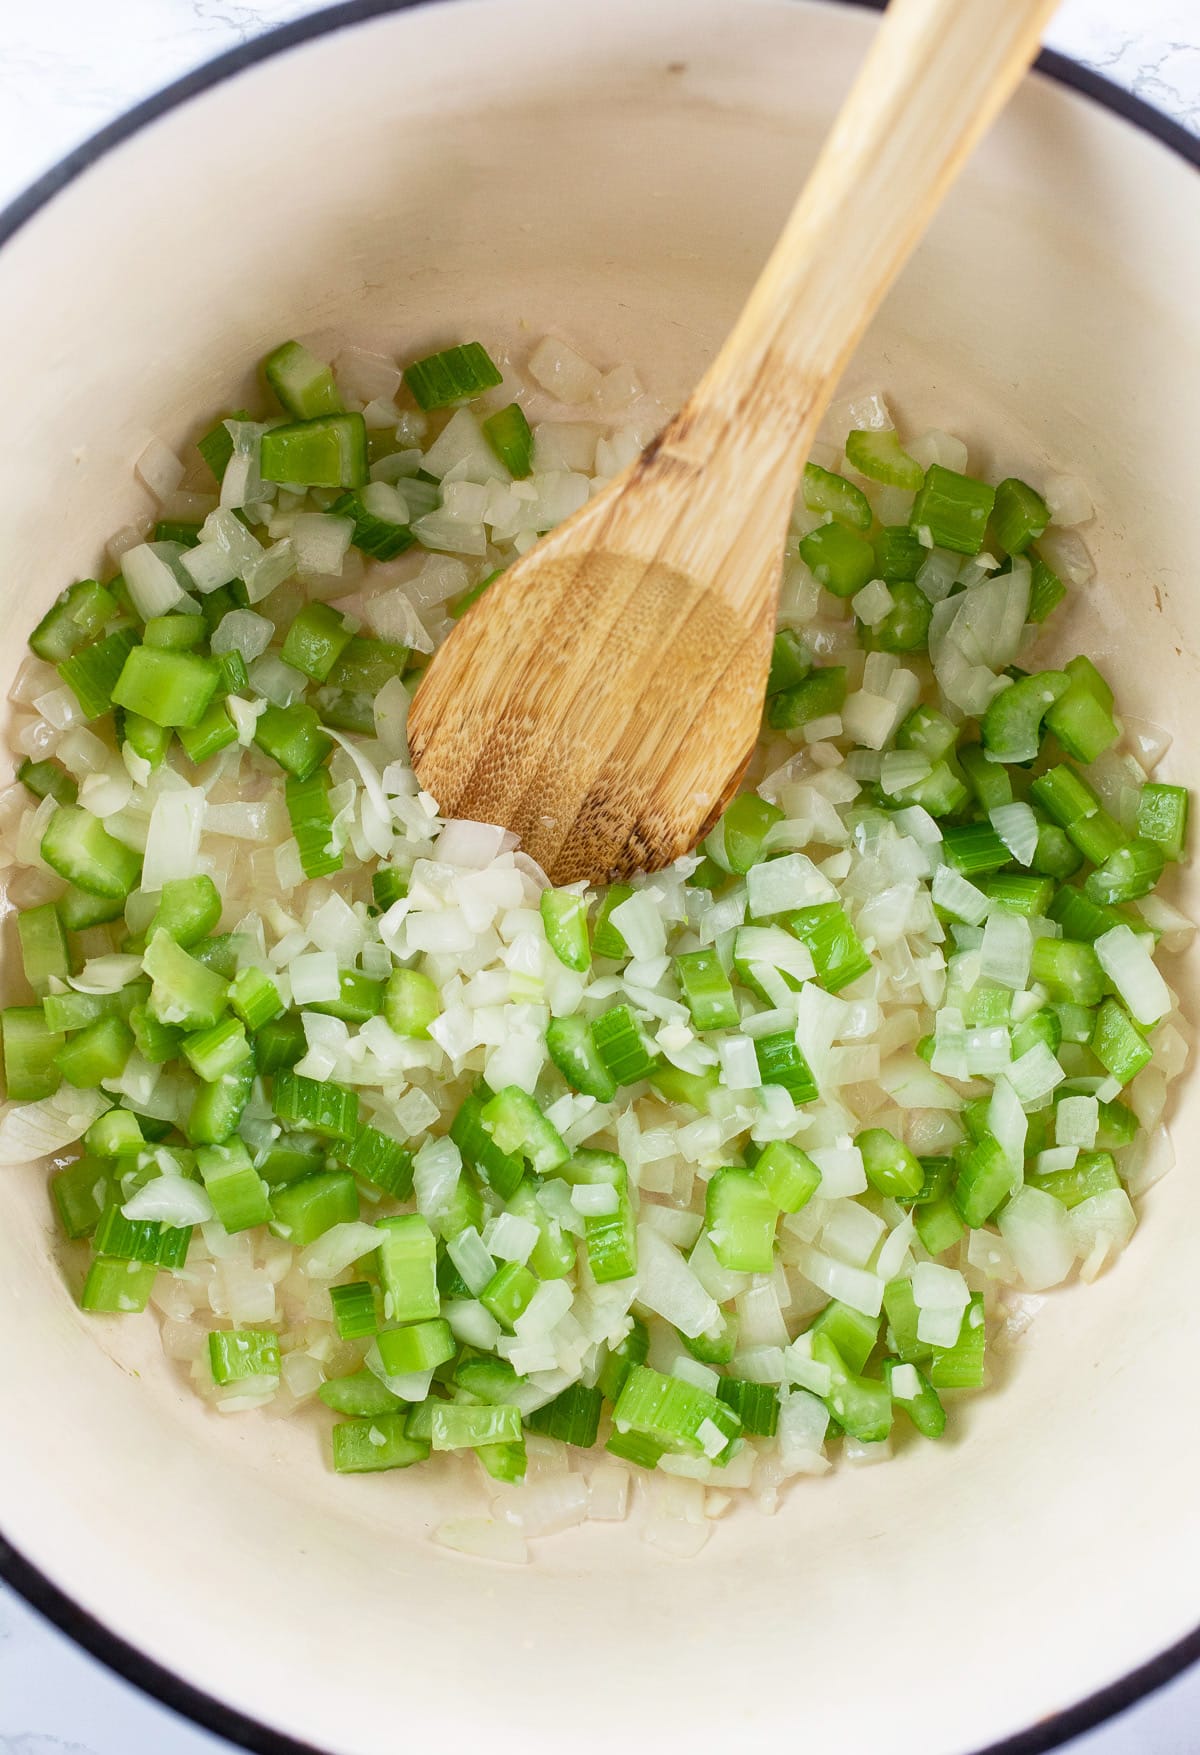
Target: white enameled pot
(613, 171)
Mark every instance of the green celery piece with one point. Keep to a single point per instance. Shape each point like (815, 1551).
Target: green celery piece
(237, 1355)
(508, 433)
(378, 536)
(48, 779)
(183, 994)
(44, 950)
(292, 736)
(99, 1051)
(79, 848)
(304, 384)
(407, 1260)
(740, 1217)
(316, 640)
(92, 673)
(318, 1105)
(564, 917)
(74, 618)
(411, 1002)
(790, 661)
(1019, 515)
(737, 841)
(455, 375)
(821, 694)
(905, 628)
(31, 1050)
(81, 1193)
(360, 1393)
(188, 909)
(839, 558)
(573, 1417)
(891, 1168)
(168, 688)
(572, 1049)
(826, 492)
(117, 1288)
(311, 817)
(878, 454)
(1011, 727)
(419, 1346)
(370, 1445)
(303, 1211)
(329, 451)
(954, 509)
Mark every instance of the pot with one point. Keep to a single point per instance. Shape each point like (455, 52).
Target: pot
(615, 173)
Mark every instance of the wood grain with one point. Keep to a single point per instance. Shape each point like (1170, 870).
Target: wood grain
(603, 697)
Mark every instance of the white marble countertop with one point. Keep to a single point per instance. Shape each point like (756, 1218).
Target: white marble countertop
(66, 68)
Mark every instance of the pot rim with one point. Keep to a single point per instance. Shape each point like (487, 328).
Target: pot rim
(125, 1660)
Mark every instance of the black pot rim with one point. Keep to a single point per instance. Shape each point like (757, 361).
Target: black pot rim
(37, 1590)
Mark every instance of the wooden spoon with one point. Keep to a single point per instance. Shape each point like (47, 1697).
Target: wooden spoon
(603, 697)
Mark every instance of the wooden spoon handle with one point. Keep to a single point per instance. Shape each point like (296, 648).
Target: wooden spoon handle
(936, 75)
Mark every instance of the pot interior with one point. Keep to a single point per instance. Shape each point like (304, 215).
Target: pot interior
(615, 173)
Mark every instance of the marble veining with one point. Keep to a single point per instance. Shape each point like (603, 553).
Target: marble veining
(66, 68)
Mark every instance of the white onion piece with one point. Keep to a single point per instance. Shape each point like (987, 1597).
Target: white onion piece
(1038, 1232)
(33, 1130)
(173, 1200)
(334, 1251)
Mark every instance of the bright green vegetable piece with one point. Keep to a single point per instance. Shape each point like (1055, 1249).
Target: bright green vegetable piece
(1162, 817)
(360, 1393)
(878, 454)
(508, 1293)
(1011, 727)
(370, 1445)
(183, 993)
(316, 640)
(675, 1415)
(79, 848)
(305, 1210)
(239, 1354)
(826, 492)
(316, 1104)
(459, 1426)
(621, 1045)
(819, 696)
(44, 951)
(838, 558)
(96, 1053)
(422, 1346)
(788, 1175)
(953, 510)
(303, 383)
(407, 1260)
(738, 840)
(519, 1128)
(311, 817)
(891, 1168)
(168, 688)
(75, 617)
(507, 432)
(706, 990)
(564, 916)
(31, 1050)
(117, 1288)
(330, 452)
(571, 1047)
(455, 375)
(740, 1217)
(790, 661)
(781, 1062)
(1019, 515)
